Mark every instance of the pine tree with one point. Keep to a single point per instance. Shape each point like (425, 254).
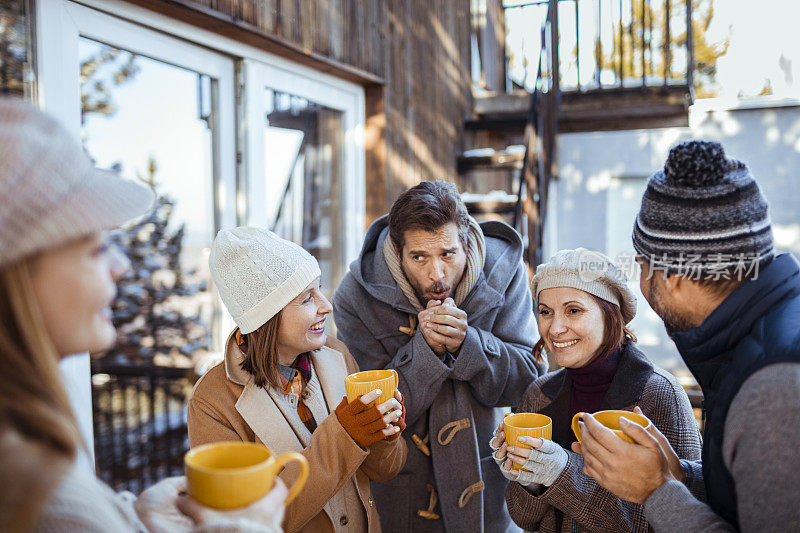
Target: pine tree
(14, 50)
(156, 313)
(99, 74)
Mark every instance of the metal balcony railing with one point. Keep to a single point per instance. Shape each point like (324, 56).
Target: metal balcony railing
(607, 45)
(139, 418)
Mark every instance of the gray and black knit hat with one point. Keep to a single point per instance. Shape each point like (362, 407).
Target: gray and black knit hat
(703, 213)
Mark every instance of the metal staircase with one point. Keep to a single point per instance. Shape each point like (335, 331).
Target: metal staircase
(626, 92)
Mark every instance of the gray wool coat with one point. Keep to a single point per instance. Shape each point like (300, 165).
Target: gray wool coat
(452, 404)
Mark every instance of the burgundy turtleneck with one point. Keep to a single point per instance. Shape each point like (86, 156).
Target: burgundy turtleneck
(590, 384)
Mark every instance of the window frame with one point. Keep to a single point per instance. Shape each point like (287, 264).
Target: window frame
(58, 26)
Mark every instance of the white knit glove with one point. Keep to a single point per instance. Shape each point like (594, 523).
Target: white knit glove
(544, 464)
(542, 467)
(497, 444)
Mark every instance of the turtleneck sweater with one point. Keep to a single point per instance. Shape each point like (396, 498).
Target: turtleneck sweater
(590, 384)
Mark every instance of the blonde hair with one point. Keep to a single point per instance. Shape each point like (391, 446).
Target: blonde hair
(33, 401)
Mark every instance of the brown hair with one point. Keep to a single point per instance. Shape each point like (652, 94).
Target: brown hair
(615, 333)
(260, 349)
(33, 401)
(428, 206)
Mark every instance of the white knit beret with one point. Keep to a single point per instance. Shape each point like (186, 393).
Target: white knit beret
(257, 273)
(588, 271)
(50, 191)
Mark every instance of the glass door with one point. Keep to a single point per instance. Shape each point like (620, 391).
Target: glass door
(160, 110)
(306, 162)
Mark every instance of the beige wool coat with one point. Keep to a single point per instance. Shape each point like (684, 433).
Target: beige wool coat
(226, 404)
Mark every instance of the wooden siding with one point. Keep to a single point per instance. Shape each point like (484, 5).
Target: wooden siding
(427, 90)
(412, 56)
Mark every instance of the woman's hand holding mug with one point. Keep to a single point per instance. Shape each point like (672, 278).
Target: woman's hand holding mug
(541, 464)
(368, 425)
(165, 507)
(394, 415)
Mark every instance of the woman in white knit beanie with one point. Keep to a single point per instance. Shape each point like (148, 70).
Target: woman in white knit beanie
(56, 284)
(282, 379)
(584, 305)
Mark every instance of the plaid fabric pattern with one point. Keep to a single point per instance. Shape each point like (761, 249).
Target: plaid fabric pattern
(302, 373)
(575, 502)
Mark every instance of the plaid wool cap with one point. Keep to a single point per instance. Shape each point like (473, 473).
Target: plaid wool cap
(50, 190)
(702, 212)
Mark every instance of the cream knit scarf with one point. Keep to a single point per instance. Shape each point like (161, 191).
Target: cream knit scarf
(476, 255)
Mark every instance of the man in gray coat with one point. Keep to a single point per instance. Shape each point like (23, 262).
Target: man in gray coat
(445, 302)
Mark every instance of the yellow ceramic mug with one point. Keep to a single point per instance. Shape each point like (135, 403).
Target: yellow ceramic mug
(228, 475)
(360, 383)
(517, 425)
(610, 419)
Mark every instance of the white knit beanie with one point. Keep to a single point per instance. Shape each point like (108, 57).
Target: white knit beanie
(590, 272)
(50, 191)
(258, 273)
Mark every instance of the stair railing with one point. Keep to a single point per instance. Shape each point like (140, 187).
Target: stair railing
(540, 142)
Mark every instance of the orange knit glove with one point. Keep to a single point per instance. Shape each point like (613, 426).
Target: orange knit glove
(364, 424)
(401, 422)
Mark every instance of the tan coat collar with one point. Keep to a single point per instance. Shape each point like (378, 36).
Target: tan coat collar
(261, 407)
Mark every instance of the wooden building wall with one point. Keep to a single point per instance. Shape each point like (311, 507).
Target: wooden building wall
(412, 57)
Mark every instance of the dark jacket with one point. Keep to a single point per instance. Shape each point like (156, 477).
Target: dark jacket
(575, 502)
(453, 403)
(758, 325)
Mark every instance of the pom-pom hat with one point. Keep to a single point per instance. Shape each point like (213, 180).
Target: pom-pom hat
(704, 212)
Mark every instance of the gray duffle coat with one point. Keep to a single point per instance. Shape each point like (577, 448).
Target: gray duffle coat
(454, 404)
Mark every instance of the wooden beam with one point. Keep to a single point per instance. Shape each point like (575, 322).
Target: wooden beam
(491, 207)
(375, 148)
(496, 161)
(496, 104)
(209, 19)
(607, 110)
(499, 103)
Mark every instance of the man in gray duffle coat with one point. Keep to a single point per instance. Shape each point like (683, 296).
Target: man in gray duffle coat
(445, 302)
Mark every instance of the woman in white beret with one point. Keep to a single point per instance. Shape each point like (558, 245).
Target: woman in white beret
(56, 285)
(583, 306)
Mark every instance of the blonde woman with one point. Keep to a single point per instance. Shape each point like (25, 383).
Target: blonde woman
(56, 285)
(282, 384)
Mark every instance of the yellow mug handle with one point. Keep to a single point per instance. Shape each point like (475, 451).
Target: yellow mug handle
(286, 458)
(396, 377)
(575, 427)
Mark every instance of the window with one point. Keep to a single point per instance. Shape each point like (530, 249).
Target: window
(303, 173)
(304, 161)
(165, 110)
(162, 110)
(16, 49)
